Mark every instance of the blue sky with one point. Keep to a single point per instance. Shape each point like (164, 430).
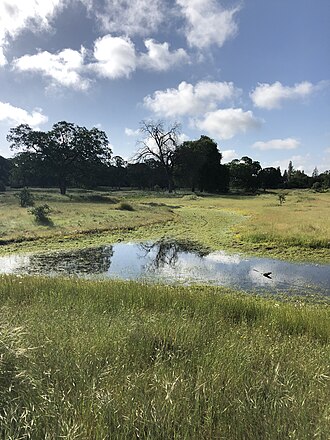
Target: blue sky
(254, 75)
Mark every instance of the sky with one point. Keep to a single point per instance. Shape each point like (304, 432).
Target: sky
(254, 75)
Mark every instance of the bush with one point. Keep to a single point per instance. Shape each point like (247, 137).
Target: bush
(281, 198)
(317, 186)
(25, 198)
(2, 186)
(124, 206)
(41, 214)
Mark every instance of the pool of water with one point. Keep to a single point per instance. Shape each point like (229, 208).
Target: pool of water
(172, 261)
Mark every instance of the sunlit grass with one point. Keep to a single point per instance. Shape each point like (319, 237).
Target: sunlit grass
(115, 360)
(298, 229)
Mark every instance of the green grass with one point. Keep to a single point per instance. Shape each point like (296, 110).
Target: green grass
(116, 360)
(297, 230)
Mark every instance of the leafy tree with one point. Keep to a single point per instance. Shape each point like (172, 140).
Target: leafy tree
(244, 173)
(198, 165)
(65, 151)
(290, 171)
(4, 172)
(324, 178)
(299, 180)
(270, 178)
(160, 144)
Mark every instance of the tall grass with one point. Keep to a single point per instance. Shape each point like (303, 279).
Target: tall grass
(116, 360)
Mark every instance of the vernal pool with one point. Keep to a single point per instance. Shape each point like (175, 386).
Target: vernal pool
(173, 261)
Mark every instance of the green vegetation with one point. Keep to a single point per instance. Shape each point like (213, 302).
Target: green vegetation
(250, 224)
(116, 360)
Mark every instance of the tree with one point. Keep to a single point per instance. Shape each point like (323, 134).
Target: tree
(315, 173)
(244, 173)
(4, 172)
(65, 151)
(290, 171)
(160, 144)
(270, 178)
(198, 165)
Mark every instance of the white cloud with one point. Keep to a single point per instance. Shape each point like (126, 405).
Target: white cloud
(115, 57)
(299, 162)
(208, 22)
(226, 123)
(136, 17)
(277, 144)
(132, 133)
(228, 155)
(15, 15)
(271, 96)
(3, 59)
(63, 68)
(14, 115)
(159, 56)
(188, 99)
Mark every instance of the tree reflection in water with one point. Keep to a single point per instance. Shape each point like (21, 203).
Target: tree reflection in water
(74, 262)
(165, 252)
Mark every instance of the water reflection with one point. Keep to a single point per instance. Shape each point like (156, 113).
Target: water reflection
(164, 253)
(173, 261)
(75, 262)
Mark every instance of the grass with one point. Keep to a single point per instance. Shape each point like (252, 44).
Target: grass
(249, 224)
(116, 360)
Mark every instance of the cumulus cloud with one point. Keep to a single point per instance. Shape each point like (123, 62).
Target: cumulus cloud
(271, 96)
(159, 57)
(208, 22)
(115, 57)
(3, 59)
(226, 123)
(188, 99)
(228, 155)
(62, 68)
(277, 144)
(136, 17)
(14, 115)
(15, 15)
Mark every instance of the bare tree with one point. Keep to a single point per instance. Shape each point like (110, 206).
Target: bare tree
(160, 144)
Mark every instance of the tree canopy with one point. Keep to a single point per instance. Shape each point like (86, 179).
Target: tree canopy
(198, 164)
(66, 150)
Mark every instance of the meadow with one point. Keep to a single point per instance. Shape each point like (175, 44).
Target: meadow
(82, 359)
(296, 230)
(119, 360)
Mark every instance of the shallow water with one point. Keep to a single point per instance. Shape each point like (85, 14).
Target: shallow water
(171, 261)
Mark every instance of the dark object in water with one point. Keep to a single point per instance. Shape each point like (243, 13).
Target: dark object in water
(265, 274)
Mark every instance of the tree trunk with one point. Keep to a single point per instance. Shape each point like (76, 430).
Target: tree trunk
(62, 186)
(170, 184)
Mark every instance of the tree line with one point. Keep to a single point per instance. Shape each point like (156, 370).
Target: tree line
(70, 155)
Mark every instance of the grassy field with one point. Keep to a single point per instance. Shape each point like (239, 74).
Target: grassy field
(297, 230)
(115, 360)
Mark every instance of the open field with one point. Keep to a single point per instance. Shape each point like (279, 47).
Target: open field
(115, 360)
(297, 230)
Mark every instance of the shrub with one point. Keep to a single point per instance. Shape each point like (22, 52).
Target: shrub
(281, 198)
(124, 206)
(25, 198)
(41, 214)
(317, 186)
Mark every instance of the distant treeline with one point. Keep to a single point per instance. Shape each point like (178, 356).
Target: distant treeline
(70, 155)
